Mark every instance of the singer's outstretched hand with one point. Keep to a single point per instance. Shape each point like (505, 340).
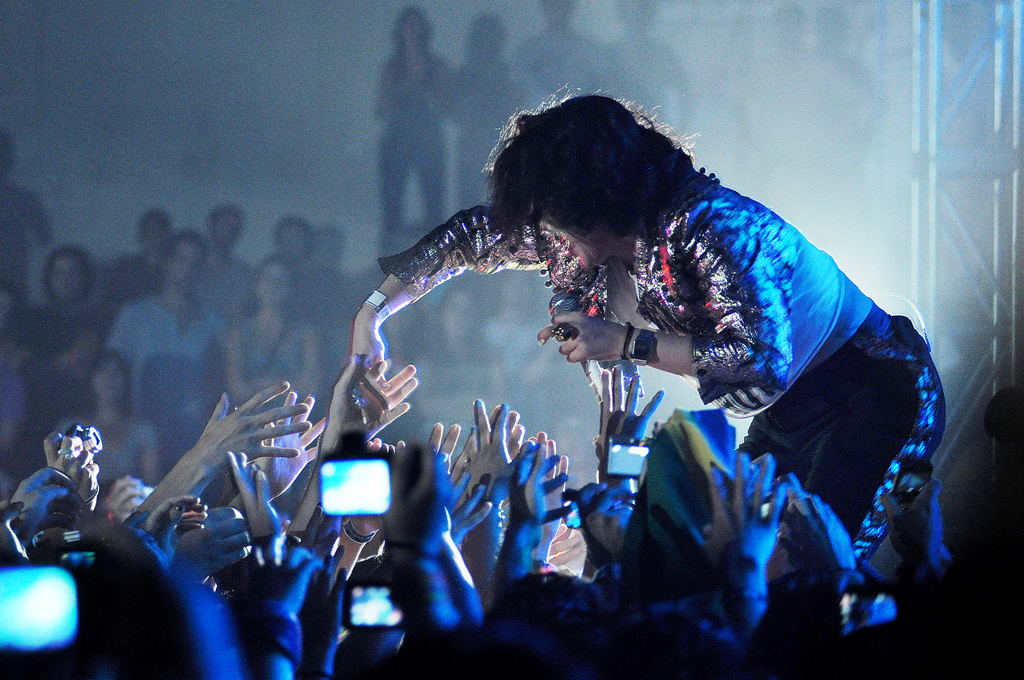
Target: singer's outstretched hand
(591, 339)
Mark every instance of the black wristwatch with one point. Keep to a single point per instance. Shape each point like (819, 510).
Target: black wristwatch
(644, 345)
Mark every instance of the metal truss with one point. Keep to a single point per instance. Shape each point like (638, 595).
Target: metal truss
(966, 198)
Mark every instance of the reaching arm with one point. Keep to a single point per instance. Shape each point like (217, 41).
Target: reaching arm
(466, 241)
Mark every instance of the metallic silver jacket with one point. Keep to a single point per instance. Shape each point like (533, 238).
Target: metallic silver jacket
(716, 265)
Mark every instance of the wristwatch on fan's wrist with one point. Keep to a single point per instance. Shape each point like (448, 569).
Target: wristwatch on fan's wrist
(643, 347)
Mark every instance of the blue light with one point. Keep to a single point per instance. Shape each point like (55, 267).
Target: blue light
(38, 608)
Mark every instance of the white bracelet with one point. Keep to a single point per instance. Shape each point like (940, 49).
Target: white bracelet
(377, 300)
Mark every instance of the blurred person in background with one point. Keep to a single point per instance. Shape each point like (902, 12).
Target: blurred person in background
(650, 71)
(411, 96)
(64, 336)
(14, 404)
(171, 343)
(134, 276)
(224, 286)
(275, 342)
(23, 220)
(483, 98)
(562, 59)
(130, 444)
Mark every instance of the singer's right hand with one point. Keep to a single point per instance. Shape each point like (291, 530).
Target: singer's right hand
(593, 339)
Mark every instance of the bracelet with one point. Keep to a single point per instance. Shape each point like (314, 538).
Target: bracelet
(377, 300)
(354, 533)
(625, 345)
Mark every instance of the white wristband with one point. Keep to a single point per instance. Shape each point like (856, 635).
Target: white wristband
(377, 300)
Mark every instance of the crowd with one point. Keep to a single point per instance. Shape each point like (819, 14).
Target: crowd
(485, 561)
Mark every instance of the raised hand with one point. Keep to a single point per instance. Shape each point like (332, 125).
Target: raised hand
(568, 550)
(43, 496)
(486, 454)
(364, 400)
(527, 502)
(916, 532)
(254, 488)
(11, 550)
(162, 523)
(321, 617)
(247, 429)
(745, 512)
(282, 574)
(76, 463)
(618, 414)
(125, 497)
(443, 443)
(553, 486)
(604, 514)
(222, 540)
(421, 493)
(282, 471)
(470, 511)
(395, 390)
(817, 538)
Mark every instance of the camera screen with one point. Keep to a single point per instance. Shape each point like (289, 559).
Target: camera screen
(38, 609)
(626, 460)
(355, 487)
(911, 482)
(862, 611)
(372, 606)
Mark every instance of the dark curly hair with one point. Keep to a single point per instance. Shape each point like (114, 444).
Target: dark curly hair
(583, 162)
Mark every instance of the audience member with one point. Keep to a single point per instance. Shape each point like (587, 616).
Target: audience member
(483, 99)
(561, 59)
(649, 69)
(64, 337)
(23, 220)
(71, 311)
(171, 343)
(223, 288)
(412, 95)
(14, 405)
(275, 342)
(135, 276)
(130, 444)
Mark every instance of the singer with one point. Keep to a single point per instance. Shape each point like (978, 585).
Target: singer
(667, 268)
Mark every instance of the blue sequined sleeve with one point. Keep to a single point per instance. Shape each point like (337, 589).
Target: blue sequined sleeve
(741, 255)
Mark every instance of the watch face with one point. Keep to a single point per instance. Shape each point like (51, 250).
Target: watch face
(643, 347)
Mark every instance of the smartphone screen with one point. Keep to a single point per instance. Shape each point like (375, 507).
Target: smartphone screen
(38, 609)
(859, 610)
(911, 482)
(355, 487)
(626, 460)
(371, 605)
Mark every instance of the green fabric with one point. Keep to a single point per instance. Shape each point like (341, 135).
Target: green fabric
(663, 556)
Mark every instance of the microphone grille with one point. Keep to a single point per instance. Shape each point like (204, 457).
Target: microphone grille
(564, 302)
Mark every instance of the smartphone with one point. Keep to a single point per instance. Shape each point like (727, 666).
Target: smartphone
(863, 610)
(626, 457)
(912, 477)
(571, 497)
(38, 609)
(369, 605)
(355, 487)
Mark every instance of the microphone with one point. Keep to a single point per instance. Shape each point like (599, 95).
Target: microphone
(563, 303)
